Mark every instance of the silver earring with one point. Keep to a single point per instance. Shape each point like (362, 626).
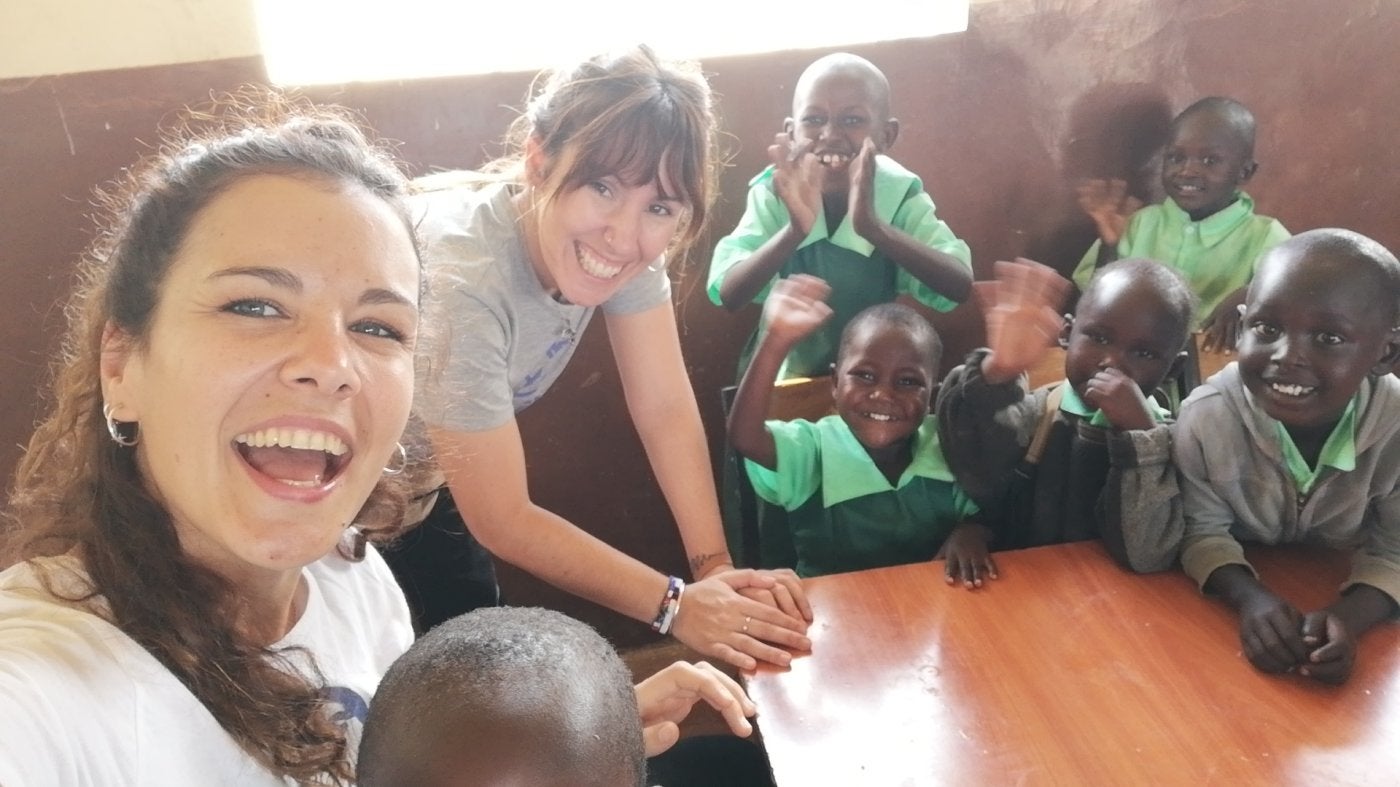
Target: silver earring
(114, 428)
(394, 468)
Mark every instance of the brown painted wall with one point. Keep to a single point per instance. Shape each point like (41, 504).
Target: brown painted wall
(1000, 121)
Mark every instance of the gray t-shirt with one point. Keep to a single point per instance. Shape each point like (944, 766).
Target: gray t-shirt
(493, 339)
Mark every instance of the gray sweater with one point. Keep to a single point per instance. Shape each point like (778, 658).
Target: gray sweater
(1236, 486)
(1090, 482)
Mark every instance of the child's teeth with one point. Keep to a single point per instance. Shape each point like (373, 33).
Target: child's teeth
(1292, 390)
(881, 417)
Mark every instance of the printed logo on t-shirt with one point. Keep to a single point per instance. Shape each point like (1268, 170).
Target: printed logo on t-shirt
(346, 705)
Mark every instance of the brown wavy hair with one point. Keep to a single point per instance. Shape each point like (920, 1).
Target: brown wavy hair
(76, 491)
(628, 114)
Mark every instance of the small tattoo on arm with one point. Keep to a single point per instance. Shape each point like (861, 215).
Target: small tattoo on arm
(698, 562)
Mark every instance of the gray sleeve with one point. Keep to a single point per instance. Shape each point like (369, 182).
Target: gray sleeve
(985, 429)
(1206, 543)
(1139, 511)
(646, 290)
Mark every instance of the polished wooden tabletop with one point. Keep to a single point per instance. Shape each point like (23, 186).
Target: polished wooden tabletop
(1069, 670)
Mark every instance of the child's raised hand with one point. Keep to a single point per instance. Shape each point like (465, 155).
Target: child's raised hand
(862, 197)
(1022, 313)
(797, 178)
(1110, 205)
(1120, 400)
(965, 556)
(1332, 648)
(795, 307)
(1271, 631)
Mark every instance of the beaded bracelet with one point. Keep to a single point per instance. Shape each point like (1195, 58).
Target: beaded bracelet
(670, 606)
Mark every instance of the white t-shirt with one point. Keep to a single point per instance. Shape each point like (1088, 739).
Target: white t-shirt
(83, 704)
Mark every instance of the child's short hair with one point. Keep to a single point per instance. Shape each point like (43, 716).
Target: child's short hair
(895, 315)
(845, 61)
(547, 679)
(1353, 247)
(1236, 115)
(1169, 283)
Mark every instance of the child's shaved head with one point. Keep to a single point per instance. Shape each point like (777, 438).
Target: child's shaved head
(877, 86)
(505, 695)
(1228, 112)
(1349, 254)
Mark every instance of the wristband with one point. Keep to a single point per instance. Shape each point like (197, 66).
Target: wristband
(670, 605)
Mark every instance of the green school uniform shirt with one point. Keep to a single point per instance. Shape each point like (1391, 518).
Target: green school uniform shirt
(844, 515)
(1217, 255)
(859, 275)
(1339, 452)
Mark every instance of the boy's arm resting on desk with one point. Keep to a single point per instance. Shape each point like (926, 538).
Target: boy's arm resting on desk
(1371, 593)
(1139, 512)
(1206, 540)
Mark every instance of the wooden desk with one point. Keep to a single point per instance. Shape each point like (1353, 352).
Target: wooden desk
(1068, 670)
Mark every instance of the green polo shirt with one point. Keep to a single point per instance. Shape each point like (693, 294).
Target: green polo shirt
(859, 275)
(1217, 255)
(1071, 403)
(844, 515)
(1339, 452)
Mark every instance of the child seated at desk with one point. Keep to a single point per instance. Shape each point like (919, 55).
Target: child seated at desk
(1076, 459)
(519, 695)
(833, 206)
(866, 487)
(1206, 228)
(1299, 440)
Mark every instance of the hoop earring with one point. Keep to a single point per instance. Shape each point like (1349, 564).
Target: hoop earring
(394, 468)
(114, 428)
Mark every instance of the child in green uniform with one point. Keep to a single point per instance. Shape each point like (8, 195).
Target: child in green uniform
(866, 487)
(1206, 228)
(831, 206)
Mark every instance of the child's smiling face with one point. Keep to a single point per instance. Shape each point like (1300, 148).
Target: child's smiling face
(1315, 324)
(1205, 163)
(836, 110)
(883, 382)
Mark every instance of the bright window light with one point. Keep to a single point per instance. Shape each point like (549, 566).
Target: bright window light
(307, 42)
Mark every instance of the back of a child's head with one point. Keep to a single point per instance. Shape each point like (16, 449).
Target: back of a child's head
(1226, 111)
(894, 317)
(505, 695)
(1172, 295)
(629, 115)
(1340, 256)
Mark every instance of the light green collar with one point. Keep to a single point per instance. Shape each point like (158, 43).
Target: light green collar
(1338, 452)
(848, 472)
(1217, 226)
(1072, 404)
(893, 183)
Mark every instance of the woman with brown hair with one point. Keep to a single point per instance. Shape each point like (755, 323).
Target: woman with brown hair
(612, 169)
(190, 597)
